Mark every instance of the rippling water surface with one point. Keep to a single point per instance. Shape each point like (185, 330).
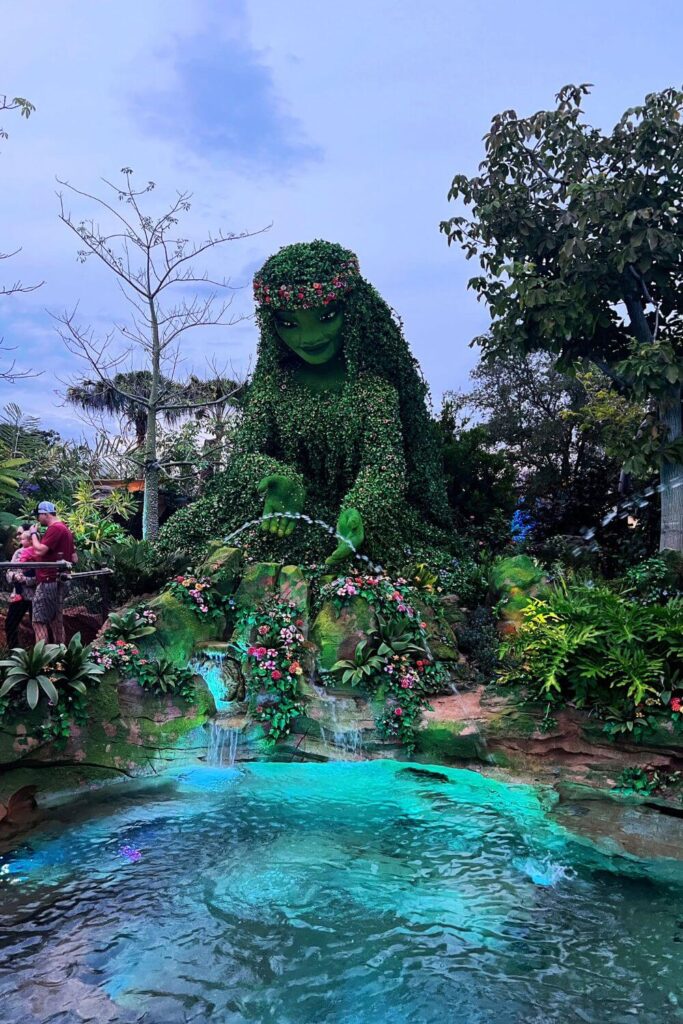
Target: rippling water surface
(346, 893)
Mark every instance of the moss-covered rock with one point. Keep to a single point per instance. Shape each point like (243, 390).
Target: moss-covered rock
(258, 583)
(443, 742)
(223, 566)
(178, 629)
(440, 636)
(337, 633)
(293, 586)
(127, 731)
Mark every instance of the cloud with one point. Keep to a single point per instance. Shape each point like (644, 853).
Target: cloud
(220, 101)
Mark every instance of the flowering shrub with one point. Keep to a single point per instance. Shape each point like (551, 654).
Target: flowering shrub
(397, 665)
(273, 652)
(118, 654)
(196, 592)
(130, 625)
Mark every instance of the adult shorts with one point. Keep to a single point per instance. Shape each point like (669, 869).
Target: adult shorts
(47, 602)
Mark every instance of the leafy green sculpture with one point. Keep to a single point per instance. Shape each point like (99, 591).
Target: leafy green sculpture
(335, 427)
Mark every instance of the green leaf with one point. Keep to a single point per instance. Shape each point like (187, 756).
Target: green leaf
(32, 693)
(49, 688)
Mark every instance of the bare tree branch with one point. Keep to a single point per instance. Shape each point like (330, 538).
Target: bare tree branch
(148, 258)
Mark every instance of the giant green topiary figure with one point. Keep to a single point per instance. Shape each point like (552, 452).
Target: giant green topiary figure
(335, 424)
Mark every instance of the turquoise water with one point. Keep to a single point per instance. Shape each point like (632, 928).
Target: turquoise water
(346, 893)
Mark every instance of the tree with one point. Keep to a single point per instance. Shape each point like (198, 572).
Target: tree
(10, 372)
(112, 397)
(579, 235)
(156, 324)
(480, 480)
(563, 436)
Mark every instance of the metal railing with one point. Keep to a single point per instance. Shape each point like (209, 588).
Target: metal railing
(85, 599)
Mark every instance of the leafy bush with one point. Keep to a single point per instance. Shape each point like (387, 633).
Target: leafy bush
(141, 568)
(436, 572)
(130, 625)
(646, 781)
(655, 579)
(28, 669)
(161, 676)
(53, 669)
(478, 640)
(600, 649)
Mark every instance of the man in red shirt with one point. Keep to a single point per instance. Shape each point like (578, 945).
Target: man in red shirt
(56, 545)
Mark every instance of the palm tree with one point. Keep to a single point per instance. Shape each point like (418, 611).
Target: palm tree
(130, 395)
(117, 397)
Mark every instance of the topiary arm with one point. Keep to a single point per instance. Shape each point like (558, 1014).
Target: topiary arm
(372, 506)
(255, 469)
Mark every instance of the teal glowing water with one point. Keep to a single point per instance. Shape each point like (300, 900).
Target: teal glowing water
(346, 893)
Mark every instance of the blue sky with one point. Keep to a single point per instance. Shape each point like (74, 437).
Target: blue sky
(342, 121)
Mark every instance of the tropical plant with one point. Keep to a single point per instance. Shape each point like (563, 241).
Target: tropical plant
(30, 669)
(10, 475)
(359, 669)
(162, 676)
(75, 666)
(396, 637)
(646, 781)
(130, 625)
(140, 568)
(599, 649)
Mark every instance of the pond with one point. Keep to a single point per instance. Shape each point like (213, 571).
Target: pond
(353, 893)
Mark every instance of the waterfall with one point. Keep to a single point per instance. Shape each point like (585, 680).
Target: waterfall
(221, 751)
(339, 729)
(210, 668)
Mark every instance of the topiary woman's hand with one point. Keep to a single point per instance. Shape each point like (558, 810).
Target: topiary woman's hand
(350, 527)
(282, 495)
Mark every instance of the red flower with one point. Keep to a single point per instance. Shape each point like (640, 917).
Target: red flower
(276, 675)
(299, 623)
(676, 704)
(398, 711)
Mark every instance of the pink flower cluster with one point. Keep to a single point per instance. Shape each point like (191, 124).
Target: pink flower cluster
(307, 295)
(197, 589)
(114, 654)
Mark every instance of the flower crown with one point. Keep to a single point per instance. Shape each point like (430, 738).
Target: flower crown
(305, 276)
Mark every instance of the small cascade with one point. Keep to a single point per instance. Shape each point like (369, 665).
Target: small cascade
(338, 720)
(221, 751)
(343, 740)
(210, 668)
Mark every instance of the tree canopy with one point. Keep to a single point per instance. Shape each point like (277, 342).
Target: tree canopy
(579, 235)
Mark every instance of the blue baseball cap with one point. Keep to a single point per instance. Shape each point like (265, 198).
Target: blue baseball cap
(48, 507)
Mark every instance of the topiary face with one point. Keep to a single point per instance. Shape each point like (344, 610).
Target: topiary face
(315, 335)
